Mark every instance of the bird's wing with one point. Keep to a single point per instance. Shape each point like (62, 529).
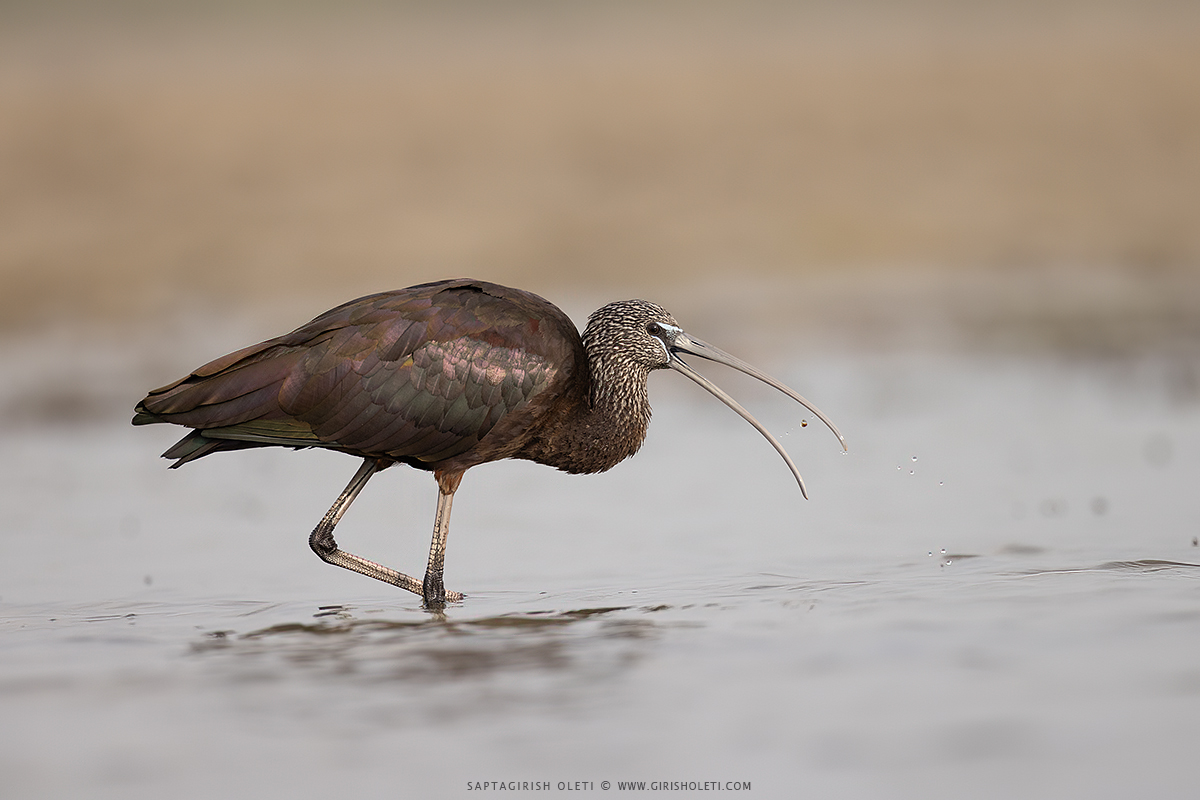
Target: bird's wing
(423, 374)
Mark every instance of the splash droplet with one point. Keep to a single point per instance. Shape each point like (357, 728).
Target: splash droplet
(914, 458)
(803, 423)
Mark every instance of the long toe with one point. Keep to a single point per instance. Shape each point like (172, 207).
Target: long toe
(438, 596)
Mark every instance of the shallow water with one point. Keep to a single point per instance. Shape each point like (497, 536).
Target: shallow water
(995, 593)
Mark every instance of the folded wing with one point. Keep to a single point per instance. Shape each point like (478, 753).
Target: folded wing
(421, 374)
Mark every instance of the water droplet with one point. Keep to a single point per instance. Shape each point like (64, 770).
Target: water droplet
(943, 551)
(940, 483)
(912, 472)
(914, 458)
(803, 423)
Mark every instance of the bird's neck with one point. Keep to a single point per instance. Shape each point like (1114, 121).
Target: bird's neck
(607, 429)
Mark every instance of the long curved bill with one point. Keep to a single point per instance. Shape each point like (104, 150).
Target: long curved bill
(682, 343)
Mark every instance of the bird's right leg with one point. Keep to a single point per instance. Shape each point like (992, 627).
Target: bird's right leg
(323, 544)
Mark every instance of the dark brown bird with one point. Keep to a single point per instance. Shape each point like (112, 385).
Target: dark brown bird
(442, 377)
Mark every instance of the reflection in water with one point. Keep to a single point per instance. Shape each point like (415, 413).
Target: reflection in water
(586, 644)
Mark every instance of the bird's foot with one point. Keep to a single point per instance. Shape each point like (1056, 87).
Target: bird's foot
(435, 593)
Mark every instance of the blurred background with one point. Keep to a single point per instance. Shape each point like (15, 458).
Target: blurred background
(969, 231)
(1028, 171)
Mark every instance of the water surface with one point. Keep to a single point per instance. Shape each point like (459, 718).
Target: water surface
(995, 593)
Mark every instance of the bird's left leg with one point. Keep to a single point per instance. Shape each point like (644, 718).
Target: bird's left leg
(433, 591)
(323, 544)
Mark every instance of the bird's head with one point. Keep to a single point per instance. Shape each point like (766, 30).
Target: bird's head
(633, 334)
(635, 337)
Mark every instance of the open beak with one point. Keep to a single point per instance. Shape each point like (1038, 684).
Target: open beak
(680, 342)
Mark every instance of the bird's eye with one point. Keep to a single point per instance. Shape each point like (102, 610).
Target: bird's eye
(654, 329)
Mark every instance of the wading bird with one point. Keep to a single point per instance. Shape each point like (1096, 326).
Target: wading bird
(442, 377)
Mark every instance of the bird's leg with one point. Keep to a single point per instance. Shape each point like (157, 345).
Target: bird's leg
(323, 544)
(434, 592)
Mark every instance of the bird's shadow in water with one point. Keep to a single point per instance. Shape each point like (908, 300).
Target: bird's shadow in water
(342, 642)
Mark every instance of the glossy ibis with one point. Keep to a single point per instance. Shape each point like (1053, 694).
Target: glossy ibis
(443, 376)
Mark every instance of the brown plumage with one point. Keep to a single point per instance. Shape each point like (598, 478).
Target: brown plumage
(442, 377)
